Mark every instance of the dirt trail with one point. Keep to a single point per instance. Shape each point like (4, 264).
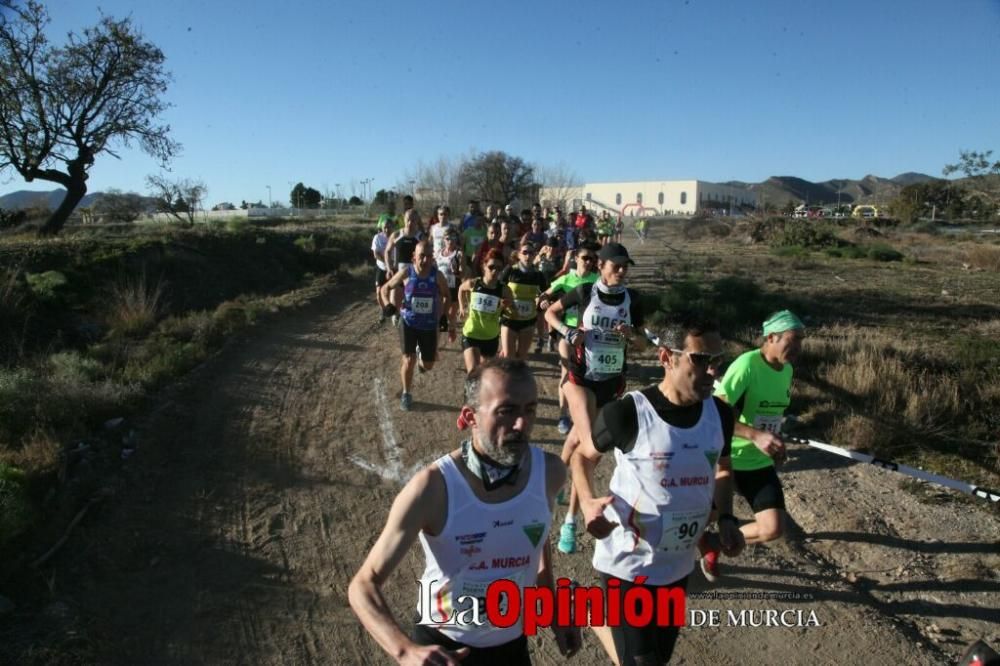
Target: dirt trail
(252, 499)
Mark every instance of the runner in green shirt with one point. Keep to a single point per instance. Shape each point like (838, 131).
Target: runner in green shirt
(758, 385)
(586, 265)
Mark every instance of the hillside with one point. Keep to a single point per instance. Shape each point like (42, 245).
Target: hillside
(28, 199)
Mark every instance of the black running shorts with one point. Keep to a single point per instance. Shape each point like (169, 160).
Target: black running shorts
(605, 391)
(513, 653)
(381, 276)
(761, 488)
(517, 324)
(410, 338)
(651, 641)
(485, 347)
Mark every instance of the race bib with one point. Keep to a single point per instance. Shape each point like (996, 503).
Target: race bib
(422, 305)
(682, 529)
(768, 422)
(606, 352)
(476, 241)
(484, 302)
(524, 309)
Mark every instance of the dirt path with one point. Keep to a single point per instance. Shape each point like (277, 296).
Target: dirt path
(261, 481)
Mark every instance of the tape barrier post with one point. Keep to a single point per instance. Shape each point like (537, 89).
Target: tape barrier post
(961, 486)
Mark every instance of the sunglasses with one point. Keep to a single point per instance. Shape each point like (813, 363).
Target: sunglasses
(701, 359)
(494, 267)
(587, 257)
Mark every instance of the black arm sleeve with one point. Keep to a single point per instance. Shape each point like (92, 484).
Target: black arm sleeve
(572, 297)
(636, 310)
(616, 426)
(728, 425)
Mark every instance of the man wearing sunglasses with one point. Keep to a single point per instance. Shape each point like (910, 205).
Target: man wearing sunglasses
(758, 385)
(672, 451)
(610, 321)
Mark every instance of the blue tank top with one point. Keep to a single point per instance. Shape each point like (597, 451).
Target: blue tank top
(421, 300)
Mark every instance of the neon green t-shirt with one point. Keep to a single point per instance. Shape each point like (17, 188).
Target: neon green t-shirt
(567, 283)
(762, 393)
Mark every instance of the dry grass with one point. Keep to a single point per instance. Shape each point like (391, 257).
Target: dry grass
(985, 257)
(134, 306)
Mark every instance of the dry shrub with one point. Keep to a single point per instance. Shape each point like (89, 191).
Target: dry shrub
(985, 257)
(134, 306)
(888, 378)
(37, 455)
(857, 432)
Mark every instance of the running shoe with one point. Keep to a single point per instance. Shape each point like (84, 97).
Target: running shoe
(395, 320)
(405, 402)
(567, 538)
(564, 425)
(561, 497)
(710, 565)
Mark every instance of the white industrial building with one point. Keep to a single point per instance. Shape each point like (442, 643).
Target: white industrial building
(650, 197)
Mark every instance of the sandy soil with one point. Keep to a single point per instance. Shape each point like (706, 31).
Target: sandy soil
(261, 481)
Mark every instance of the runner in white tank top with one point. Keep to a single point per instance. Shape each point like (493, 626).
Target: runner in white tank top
(481, 513)
(673, 471)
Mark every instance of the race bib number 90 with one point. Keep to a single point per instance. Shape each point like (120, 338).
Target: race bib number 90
(422, 304)
(682, 529)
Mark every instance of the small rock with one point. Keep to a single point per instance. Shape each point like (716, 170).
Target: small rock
(944, 292)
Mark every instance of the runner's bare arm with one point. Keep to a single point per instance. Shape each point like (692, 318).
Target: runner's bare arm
(729, 530)
(769, 443)
(464, 294)
(554, 315)
(393, 282)
(582, 465)
(445, 295)
(419, 506)
(389, 246)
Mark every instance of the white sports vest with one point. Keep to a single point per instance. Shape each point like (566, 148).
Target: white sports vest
(662, 492)
(604, 348)
(482, 543)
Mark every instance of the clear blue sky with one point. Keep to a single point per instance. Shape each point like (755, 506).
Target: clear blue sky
(334, 92)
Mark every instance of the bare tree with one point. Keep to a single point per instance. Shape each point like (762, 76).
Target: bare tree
(560, 184)
(180, 198)
(438, 180)
(67, 105)
(498, 177)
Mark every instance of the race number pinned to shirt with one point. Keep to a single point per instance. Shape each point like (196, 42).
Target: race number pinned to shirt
(606, 352)
(768, 422)
(422, 305)
(525, 309)
(481, 302)
(682, 529)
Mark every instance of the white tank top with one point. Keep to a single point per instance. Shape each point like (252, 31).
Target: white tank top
(448, 265)
(482, 543)
(603, 347)
(662, 491)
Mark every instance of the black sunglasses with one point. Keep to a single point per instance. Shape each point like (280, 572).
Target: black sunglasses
(701, 359)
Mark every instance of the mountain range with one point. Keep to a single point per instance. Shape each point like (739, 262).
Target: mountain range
(776, 190)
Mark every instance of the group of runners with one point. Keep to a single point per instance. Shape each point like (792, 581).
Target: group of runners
(482, 512)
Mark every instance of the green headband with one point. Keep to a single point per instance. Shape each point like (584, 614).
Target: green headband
(781, 322)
